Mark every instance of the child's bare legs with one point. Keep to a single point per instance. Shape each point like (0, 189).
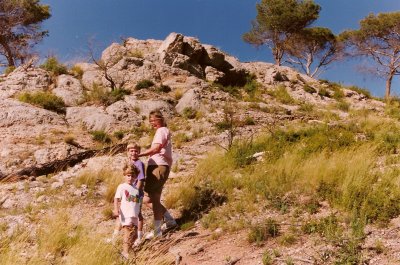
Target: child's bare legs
(140, 228)
(117, 227)
(129, 237)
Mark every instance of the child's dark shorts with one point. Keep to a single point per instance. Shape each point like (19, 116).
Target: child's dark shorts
(156, 176)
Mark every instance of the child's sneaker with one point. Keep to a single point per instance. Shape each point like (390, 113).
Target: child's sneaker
(111, 240)
(125, 255)
(137, 242)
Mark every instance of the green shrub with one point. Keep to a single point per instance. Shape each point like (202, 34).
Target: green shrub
(54, 66)
(45, 100)
(233, 90)
(252, 86)
(197, 200)
(343, 105)
(101, 136)
(136, 53)
(117, 95)
(306, 107)
(392, 108)
(189, 113)
(103, 96)
(119, 135)
(249, 121)
(180, 138)
(77, 71)
(338, 93)
(223, 125)
(9, 70)
(163, 89)
(145, 83)
(281, 94)
(363, 91)
(327, 226)
(309, 89)
(261, 232)
(324, 93)
(267, 258)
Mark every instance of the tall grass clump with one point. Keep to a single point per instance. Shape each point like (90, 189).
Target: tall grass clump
(44, 99)
(103, 96)
(282, 95)
(322, 162)
(54, 66)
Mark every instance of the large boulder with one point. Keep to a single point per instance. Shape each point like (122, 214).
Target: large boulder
(142, 48)
(144, 107)
(69, 89)
(113, 53)
(124, 113)
(91, 75)
(55, 152)
(189, 54)
(91, 118)
(191, 99)
(15, 113)
(24, 79)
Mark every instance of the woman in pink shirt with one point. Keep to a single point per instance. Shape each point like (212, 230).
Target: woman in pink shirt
(158, 168)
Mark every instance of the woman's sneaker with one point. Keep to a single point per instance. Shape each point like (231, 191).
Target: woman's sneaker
(169, 224)
(151, 235)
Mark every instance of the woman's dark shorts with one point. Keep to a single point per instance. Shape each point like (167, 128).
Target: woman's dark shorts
(156, 176)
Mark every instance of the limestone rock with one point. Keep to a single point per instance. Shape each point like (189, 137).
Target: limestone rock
(213, 75)
(91, 75)
(92, 118)
(18, 113)
(191, 99)
(113, 53)
(24, 79)
(142, 48)
(69, 89)
(55, 152)
(124, 112)
(146, 106)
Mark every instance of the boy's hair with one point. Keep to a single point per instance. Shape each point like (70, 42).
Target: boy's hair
(131, 170)
(133, 146)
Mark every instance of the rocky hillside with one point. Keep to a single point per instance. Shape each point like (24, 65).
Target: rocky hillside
(197, 86)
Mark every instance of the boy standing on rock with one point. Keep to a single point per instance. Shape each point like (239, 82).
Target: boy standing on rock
(127, 207)
(133, 156)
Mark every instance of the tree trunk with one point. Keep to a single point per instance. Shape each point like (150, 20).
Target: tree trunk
(9, 55)
(389, 84)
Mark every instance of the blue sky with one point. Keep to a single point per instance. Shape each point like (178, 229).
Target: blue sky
(217, 22)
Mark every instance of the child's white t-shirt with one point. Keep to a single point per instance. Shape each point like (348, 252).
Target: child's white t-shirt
(129, 197)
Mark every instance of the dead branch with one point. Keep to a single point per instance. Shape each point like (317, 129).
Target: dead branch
(59, 165)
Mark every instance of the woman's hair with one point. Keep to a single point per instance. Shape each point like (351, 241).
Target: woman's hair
(158, 115)
(131, 170)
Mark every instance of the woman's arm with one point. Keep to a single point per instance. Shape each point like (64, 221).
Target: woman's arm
(155, 149)
(140, 185)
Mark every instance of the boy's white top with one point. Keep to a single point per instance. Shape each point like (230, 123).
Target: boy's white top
(164, 157)
(129, 197)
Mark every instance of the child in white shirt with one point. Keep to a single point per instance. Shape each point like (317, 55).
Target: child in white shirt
(127, 207)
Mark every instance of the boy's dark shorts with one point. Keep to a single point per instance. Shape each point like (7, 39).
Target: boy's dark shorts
(156, 176)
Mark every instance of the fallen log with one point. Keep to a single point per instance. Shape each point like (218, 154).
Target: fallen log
(59, 165)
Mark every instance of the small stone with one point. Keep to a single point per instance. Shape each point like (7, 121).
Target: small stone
(57, 185)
